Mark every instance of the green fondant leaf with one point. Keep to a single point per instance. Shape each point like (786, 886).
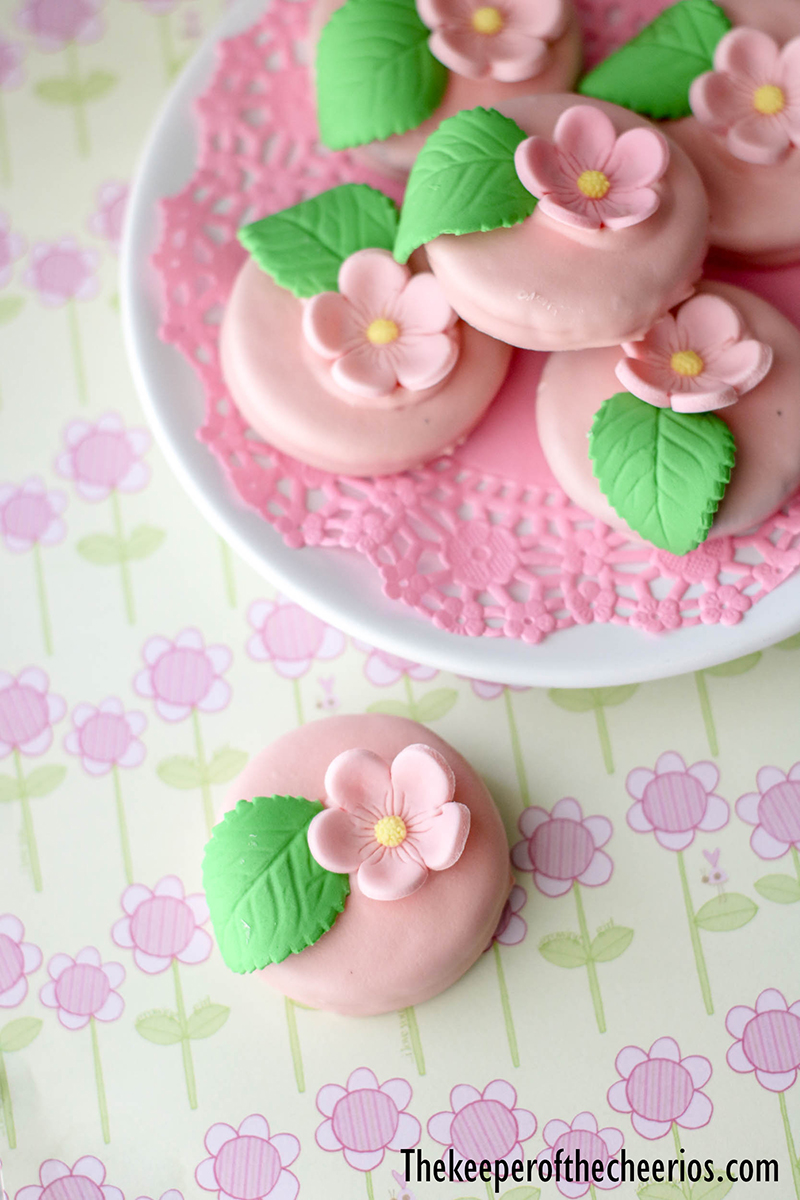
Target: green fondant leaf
(303, 247)
(375, 74)
(729, 911)
(464, 181)
(652, 73)
(268, 897)
(663, 472)
(16, 1035)
(206, 1020)
(780, 889)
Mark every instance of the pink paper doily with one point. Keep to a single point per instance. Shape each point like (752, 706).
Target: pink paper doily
(479, 543)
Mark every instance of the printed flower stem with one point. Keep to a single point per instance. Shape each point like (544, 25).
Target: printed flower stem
(416, 1042)
(516, 750)
(186, 1047)
(699, 958)
(168, 55)
(123, 827)
(490, 1191)
(44, 611)
(676, 1138)
(298, 702)
(370, 1189)
(208, 804)
(98, 1079)
(705, 708)
(412, 708)
(511, 1032)
(81, 126)
(594, 986)
(77, 352)
(27, 825)
(5, 157)
(592, 1192)
(605, 740)
(5, 1106)
(227, 572)
(294, 1044)
(119, 534)
(796, 861)
(794, 1162)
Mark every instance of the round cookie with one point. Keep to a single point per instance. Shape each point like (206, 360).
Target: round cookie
(382, 955)
(765, 421)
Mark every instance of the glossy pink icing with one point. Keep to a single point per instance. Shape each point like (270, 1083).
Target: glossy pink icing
(543, 285)
(287, 394)
(584, 144)
(516, 52)
(765, 423)
(378, 956)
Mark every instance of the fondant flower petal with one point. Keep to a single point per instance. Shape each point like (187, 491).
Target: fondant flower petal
(646, 380)
(708, 401)
(587, 135)
(760, 140)
(391, 876)
(443, 12)
(422, 782)
(516, 56)
(707, 323)
(367, 371)
(422, 361)
(743, 365)
(329, 324)
(371, 279)
(749, 52)
(359, 779)
(538, 166)
(639, 158)
(442, 843)
(461, 51)
(716, 100)
(422, 307)
(336, 842)
(623, 209)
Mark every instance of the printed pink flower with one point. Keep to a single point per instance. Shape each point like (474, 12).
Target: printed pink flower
(11, 73)
(290, 638)
(511, 927)
(384, 669)
(104, 458)
(61, 271)
(384, 328)
(158, 7)
(725, 605)
(83, 987)
(490, 691)
(675, 801)
(484, 1124)
(583, 1137)
(768, 1040)
(163, 924)
(531, 621)
(108, 218)
(696, 360)
(249, 1164)
(106, 737)
(562, 847)
(774, 810)
(183, 675)
(366, 1119)
(172, 1194)
(480, 553)
(508, 42)
(27, 712)
(12, 246)
(31, 516)
(83, 1181)
(391, 824)
(752, 97)
(660, 1087)
(17, 959)
(588, 177)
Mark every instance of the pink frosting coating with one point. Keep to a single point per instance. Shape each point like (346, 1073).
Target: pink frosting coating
(379, 957)
(373, 288)
(517, 51)
(728, 362)
(585, 145)
(361, 791)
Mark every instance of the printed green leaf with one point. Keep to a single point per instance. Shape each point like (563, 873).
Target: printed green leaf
(653, 72)
(790, 643)
(375, 74)
(144, 541)
(9, 789)
(180, 772)
(780, 889)
(101, 549)
(523, 1193)
(563, 950)
(303, 247)
(44, 780)
(97, 84)
(660, 1191)
(10, 307)
(663, 472)
(610, 943)
(16, 1035)
(392, 708)
(739, 666)
(464, 181)
(161, 1028)
(268, 897)
(435, 704)
(59, 91)
(712, 1189)
(586, 699)
(726, 912)
(226, 765)
(207, 1020)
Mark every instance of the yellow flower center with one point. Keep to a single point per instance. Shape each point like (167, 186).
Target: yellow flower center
(594, 184)
(686, 362)
(769, 100)
(487, 20)
(390, 831)
(382, 331)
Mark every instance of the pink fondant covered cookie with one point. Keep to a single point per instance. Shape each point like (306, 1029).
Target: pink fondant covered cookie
(361, 865)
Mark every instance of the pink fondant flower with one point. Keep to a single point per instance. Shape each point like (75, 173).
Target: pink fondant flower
(591, 602)
(508, 42)
(563, 847)
(530, 620)
(768, 1040)
(390, 824)
(696, 360)
(106, 737)
(183, 675)
(774, 810)
(12, 246)
(83, 1181)
(28, 711)
(484, 1124)
(31, 516)
(17, 959)
(163, 924)
(581, 1137)
(724, 605)
(107, 220)
(11, 73)
(675, 801)
(655, 616)
(385, 328)
(248, 1163)
(83, 988)
(480, 553)
(61, 271)
(366, 1119)
(752, 97)
(587, 176)
(660, 1087)
(511, 927)
(384, 669)
(105, 457)
(290, 638)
